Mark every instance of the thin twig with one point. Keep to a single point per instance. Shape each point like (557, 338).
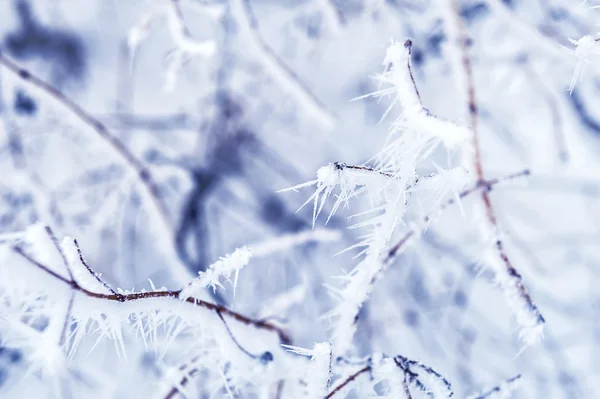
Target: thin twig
(347, 381)
(235, 341)
(368, 169)
(406, 387)
(50, 234)
(89, 269)
(408, 46)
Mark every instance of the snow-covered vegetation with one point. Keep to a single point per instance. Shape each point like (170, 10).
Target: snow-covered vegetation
(162, 232)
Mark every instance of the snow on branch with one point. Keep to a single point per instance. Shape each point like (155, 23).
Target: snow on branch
(587, 53)
(360, 281)
(526, 314)
(416, 119)
(224, 267)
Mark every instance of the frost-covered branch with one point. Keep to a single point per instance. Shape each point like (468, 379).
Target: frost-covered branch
(389, 185)
(528, 317)
(89, 284)
(360, 282)
(225, 267)
(48, 280)
(464, 103)
(352, 180)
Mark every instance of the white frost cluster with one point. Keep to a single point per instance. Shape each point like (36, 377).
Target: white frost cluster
(224, 267)
(317, 375)
(587, 53)
(351, 183)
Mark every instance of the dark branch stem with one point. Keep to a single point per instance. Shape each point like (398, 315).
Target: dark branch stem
(60, 251)
(406, 387)
(89, 269)
(235, 341)
(408, 46)
(368, 169)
